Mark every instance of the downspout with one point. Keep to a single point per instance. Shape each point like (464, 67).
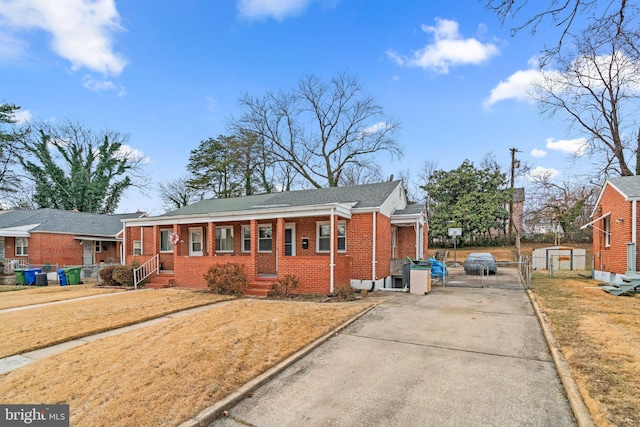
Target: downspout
(373, 254)
(123, 247)
(141, 240)
(332, 264)
(634, 230)
(416, 227)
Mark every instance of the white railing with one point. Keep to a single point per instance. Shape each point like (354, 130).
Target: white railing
(145, 270)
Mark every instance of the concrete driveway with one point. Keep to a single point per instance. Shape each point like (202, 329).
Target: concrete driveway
(456, 357)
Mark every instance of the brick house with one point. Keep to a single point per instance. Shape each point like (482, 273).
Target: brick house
(57, 237)
(615, 228)
(328, 237)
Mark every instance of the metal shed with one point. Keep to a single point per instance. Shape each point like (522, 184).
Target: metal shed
(559, 258)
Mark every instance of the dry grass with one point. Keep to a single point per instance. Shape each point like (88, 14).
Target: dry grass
(167, 373)
(600, 338)
(29, 295)
(40, 327)
(507, 253)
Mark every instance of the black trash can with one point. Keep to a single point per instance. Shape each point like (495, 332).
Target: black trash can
(41, 279)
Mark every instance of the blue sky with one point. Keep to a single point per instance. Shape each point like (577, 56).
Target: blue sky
(169, 74)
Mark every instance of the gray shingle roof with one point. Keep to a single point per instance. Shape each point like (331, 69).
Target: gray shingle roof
(629, 185)
(66, 222)
(410, 210)
(363, 196)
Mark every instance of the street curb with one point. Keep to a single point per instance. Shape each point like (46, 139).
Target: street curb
(580, 411)
(210, 414)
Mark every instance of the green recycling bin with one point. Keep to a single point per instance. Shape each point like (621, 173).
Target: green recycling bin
(20, 279)
(73, 275)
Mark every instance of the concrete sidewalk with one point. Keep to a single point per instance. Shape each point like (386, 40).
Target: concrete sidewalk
(456, 357)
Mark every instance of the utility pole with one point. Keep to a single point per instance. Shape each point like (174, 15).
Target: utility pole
(514, 164)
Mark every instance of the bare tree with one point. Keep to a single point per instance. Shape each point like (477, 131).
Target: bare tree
(320, 128)
(178, 193)
(356, 174)
(597, 89)
(567, 203)
(568, 16)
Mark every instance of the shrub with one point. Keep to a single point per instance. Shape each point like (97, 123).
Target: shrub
(226, 279)
(345, 293)
(284, 287)
(106, 274)
(122, 275)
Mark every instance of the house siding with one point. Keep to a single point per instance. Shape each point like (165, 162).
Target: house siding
(612, 258)
(60, 250)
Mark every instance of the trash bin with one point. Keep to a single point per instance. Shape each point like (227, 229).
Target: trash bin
(73, 275)
(20, 280)
(62, 278)
(30, 275)
(41, 279)
(420, 278)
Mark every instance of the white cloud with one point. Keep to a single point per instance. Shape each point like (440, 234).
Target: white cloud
(81, 31)
(96, 85)
(276, 9)
(127, 152)
(538, 153)
(540, 172)
(517, 86)
(374, 128)
(448, 49)
(576, 146)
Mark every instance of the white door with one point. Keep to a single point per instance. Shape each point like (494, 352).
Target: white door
(195, 241)
(88, 252)
(290, 240)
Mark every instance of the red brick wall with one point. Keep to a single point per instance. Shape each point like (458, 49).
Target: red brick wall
(189, 271)
(612, 258)
(383, 247)
(406, 242)
(360, 245)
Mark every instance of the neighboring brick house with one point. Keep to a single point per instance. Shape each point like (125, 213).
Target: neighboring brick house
(56, 237)
(327, 237)
(615, 228)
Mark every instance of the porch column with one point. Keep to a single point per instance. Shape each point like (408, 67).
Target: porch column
(253, 224)
(332, 249)
(211, 238)
(177, 246)
(155, 239)
(279, 243)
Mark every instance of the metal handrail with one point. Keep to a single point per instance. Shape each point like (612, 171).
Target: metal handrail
(145, 270)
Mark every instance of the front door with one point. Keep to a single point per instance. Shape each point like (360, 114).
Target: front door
(195, 241)
(88, 252)
(289, 240)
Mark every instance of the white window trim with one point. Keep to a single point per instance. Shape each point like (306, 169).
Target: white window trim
(243, 239)
(607, 231)
(259, 239)
(134, 247)
(98, 246)
(191, 251)
(167, 230)
(22, 247)
(223, 251)
(320, 223)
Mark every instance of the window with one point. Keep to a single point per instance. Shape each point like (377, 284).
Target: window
(265, 241)
(246, 238)
(165, 241)
(137, 247)
(22, 246)
(323, 236)
(224, 239)
(607, 230)
(98, 247)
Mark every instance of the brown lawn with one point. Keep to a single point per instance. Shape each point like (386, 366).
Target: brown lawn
(30, 295)
(164, 374)
(600, 338)
(44, 326)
